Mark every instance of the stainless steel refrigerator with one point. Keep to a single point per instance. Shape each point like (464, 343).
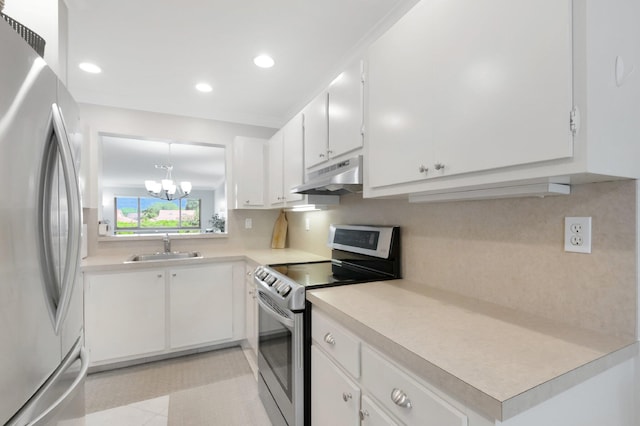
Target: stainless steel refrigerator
(43, 363)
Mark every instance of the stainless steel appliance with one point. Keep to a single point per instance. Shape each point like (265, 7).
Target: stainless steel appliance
(42, 359)
(339, 178)
(359, 254)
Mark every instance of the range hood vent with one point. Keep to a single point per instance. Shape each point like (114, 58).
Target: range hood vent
(339, 178)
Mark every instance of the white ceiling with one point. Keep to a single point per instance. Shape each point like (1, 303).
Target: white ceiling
(153, 52)
(128, 162)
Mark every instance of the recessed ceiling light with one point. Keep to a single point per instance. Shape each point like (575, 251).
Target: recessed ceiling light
(90, 68)
(264, 61)
(204, 87)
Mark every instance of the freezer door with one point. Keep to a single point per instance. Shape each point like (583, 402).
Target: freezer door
(61, 400)
(29, 348)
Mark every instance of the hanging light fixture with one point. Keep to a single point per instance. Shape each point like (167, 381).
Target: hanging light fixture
(167, 189)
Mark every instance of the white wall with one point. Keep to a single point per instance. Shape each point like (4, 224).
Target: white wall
(99, 120)
(147, 125)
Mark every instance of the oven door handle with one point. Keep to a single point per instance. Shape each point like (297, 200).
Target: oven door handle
(288, 322)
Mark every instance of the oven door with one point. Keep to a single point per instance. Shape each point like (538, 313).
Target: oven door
(280, 357)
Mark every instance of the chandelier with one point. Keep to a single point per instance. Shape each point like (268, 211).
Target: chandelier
(167, 189)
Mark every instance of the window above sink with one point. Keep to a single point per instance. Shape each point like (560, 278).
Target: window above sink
(127, 162)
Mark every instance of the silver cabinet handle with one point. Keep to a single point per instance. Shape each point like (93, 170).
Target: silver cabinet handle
(329, 339)
(329, 152)
(363, 414)
(423, 169)
(321, 155)
(400, 398)
(438, 166)
(346, 396)
(159, 275)
(248, 202)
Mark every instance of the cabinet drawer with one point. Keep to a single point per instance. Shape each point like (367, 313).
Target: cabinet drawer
(336, 341)
(415, 404)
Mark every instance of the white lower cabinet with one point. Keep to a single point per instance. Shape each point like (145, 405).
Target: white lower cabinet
(387, 393)
(335, 398)
(367, 390)
(404, 397)
(125, 314)
(372, 415)
(251, 310)
(131, 315)
(200, 308)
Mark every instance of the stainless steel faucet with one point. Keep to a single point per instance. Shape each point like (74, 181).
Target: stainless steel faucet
(167, 243)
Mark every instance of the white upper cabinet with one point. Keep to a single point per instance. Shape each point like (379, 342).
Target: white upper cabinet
(316, 131)
(293, 172)
(346, 117)
(333, 121)
(249, 172)
(276, 158)
(285, 163)
(460, 86)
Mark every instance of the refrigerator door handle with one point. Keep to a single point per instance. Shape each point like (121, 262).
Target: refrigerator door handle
(43, 418)
(60, 296)
(72, 263)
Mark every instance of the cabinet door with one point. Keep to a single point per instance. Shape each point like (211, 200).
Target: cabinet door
(447, 87)
(316, 142)
(372, 415)
(249, 172)
(251, 310)
(200, 305)
(346, 111)
(501, 100)
(293, 171)
(400, 131)
(276, 147)
(124, 314)
(335, 399)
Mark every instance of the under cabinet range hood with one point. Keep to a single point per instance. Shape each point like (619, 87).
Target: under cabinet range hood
(340, 178)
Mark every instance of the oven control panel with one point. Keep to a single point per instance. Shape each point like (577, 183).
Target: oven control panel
(279, 285)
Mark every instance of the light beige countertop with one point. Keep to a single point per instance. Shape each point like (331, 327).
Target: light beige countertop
(113, 263)
(496, 360)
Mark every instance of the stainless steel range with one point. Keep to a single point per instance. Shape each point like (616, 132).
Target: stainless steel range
(359, 254)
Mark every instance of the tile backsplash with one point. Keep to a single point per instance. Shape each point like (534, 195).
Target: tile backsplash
(510, 251)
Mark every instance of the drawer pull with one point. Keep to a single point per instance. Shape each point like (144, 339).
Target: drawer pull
(329, 339)
(400, 398)
(363, 414)
(346, 396)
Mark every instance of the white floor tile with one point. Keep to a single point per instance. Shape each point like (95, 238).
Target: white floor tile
(121, 416)
(158, 405)
(157, 421)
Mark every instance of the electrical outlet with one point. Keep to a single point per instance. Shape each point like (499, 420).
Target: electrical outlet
(307, 223)
(248, 223)
(577, 234)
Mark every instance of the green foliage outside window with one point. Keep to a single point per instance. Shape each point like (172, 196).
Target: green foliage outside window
(150, 213)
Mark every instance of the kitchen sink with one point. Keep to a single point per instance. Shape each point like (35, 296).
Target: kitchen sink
(160, 256)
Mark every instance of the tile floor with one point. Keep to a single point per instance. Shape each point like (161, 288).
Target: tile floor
(213, 388)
